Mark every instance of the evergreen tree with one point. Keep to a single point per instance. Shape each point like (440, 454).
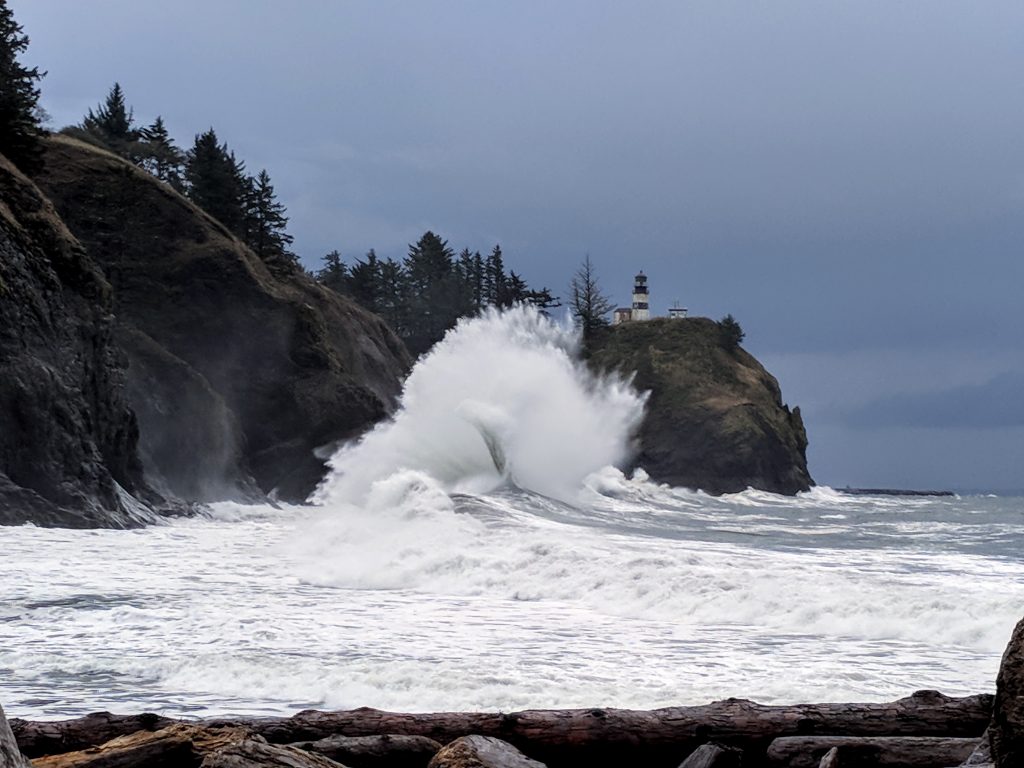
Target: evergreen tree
(20, 113)
(589, 306)
(730, 334)
(364, 281)
(393, 297)
(433, 291)
(494, 279)
(543, 300)
(112, 122)
(216, 181)
(158, 154)
(265, 220)
(334, 273)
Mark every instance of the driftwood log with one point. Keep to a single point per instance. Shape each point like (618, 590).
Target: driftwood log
(871, 752)
(384, 751)
(831, 759)
(177, 745)
(595, 737)
(10, 754)
(713, 756)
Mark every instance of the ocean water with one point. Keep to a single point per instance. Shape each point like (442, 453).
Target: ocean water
(481, 552)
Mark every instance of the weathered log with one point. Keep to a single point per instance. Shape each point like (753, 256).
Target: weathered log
(177, 745)
(386, 751)
(713, 756)
(10, 754)
(257, 753)
(831, 759)
(169, 748)
(1007, 731)
(871, 751)
(659, 738)
(54, 737)
(481, 752)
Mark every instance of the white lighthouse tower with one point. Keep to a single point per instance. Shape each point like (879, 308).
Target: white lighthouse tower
(641, 298)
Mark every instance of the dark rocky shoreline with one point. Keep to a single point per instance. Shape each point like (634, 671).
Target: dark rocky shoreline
(151, 362)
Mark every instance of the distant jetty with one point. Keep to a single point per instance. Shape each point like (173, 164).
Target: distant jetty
(890, 492)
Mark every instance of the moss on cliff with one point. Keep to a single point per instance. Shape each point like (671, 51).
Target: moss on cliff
(715, 419)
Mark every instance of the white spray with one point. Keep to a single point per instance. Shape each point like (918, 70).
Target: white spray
(503, 397)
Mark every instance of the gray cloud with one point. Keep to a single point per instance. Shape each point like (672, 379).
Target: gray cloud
(996, 404)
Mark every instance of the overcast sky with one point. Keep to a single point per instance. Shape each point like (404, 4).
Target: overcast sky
(846, 178)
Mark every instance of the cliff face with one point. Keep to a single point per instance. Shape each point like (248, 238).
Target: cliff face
(715, 419)
(239, 370)
(67, 436)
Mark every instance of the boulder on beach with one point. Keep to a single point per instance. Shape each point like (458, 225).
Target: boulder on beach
(1007, 729)
(481, 752)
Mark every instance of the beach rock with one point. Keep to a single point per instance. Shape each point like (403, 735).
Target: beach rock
(269, 367)
(713, 756)
(385, 751)
(715, 419)
(257, 753)
(481, 752)
(68, 438)
(10, 755)
(1007, 729)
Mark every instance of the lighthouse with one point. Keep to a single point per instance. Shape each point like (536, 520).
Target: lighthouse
(641, 299)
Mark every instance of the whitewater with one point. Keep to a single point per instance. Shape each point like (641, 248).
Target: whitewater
(482, 551)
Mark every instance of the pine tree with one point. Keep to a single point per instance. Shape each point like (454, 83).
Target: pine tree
(589, 306)
(158, 154)
(334, 273)
(20, 113)
(433, 291)
(730, 334)
(216, 181)
(393, 298)
(112, 122)
(265, 220)
(495, 289)
(364, 281)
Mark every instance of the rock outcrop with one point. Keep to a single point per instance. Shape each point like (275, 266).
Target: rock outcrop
(715, 419)
(67, 435)
(1006, 733)
(239, 370)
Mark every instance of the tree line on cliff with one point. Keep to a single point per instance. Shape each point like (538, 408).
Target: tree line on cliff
(421, 296)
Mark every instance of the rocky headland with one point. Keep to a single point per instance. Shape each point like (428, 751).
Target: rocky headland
(715, 419)
(151, 361)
